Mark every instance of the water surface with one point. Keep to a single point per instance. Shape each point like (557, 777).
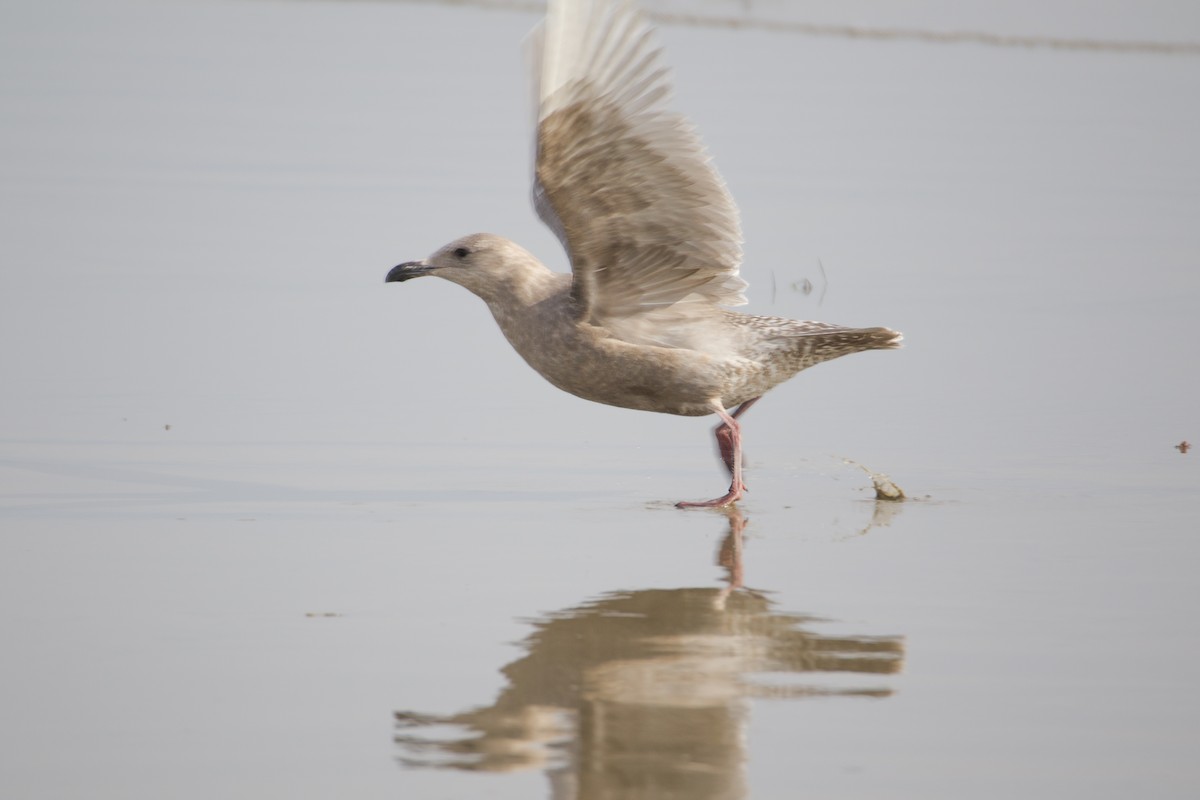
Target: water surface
(270, 527)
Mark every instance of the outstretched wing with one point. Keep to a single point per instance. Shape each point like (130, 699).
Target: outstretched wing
(624, 182)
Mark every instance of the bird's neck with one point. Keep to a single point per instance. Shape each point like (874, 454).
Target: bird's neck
(525, 312)
(519, 296)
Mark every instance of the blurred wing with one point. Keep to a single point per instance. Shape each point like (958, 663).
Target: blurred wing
(625, 183)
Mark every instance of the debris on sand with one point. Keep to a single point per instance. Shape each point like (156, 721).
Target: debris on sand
(885, 487)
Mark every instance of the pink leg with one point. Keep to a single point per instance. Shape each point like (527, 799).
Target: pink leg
(725, 437)
(730, 443)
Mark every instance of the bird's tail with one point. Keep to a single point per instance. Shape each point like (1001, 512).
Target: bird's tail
(822, 342)
(877, 338)
(849, 340)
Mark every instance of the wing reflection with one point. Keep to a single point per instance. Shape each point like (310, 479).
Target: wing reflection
(645, 693)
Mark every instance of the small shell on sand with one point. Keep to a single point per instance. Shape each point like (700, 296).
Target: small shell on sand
(885, 487)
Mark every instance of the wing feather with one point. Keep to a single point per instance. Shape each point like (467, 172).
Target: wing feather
(624, 182)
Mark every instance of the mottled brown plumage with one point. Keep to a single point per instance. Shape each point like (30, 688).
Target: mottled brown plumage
(653, 239)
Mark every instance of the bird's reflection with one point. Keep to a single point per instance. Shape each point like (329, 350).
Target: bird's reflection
(645, 693)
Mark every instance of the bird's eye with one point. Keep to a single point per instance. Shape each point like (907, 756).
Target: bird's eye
(461, 252)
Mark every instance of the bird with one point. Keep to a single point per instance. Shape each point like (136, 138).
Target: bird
(653, 238)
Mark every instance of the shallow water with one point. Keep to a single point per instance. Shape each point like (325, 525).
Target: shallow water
(270, 527)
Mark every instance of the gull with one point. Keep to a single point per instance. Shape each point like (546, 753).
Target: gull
(654, 242)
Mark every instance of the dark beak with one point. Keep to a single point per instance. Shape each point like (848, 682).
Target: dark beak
(409, 269)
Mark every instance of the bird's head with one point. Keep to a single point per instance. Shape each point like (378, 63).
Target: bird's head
(482, 263)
